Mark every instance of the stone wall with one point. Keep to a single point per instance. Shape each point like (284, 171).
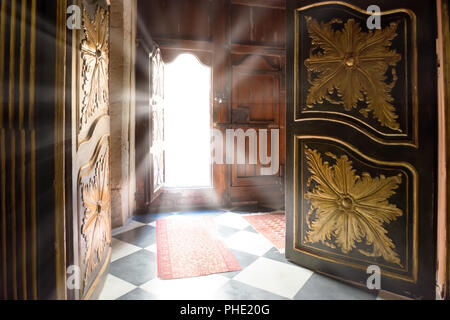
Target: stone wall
(122, 56)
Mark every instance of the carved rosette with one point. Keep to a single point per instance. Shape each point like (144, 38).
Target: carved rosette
(348, 210)
(96, 203)
(94, 95)
(348, 66)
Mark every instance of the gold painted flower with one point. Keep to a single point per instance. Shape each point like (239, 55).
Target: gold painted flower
(95, 57)
(96, 227)
(347, 65)
(347, 209)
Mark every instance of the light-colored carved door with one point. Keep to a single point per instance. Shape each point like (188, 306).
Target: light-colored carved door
(157, 153)
(91, 148)
(361, 142)
(150, 150)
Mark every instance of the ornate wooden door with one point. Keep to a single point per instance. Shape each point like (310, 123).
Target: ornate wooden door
(361, 142)
(150, 124)
(157, 173)
(91, 148)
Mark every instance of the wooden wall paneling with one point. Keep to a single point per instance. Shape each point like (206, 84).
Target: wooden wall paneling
(221, 89)
(256, 104)
(221, 62)
(256, 90)
(274, 4)
(178, 19)
(257, 25)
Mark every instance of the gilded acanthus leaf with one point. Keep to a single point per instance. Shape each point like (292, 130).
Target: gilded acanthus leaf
(95, 56)
(347, 209)
(347, 65)
(96, 227)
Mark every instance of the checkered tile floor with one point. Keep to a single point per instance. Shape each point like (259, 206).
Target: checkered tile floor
(265, 275)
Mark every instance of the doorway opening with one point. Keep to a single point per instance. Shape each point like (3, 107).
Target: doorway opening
(187, 123)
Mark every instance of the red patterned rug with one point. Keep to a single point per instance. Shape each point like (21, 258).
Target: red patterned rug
(272, 226)
(190, 247)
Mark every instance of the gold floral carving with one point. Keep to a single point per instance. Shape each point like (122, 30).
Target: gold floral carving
(347, 209)
(94, 69)
(347, 66)
(96, 227)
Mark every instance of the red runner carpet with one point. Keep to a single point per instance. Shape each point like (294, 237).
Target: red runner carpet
(272, 226)
(190, 247)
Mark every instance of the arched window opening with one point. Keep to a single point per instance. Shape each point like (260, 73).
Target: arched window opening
(187, 123)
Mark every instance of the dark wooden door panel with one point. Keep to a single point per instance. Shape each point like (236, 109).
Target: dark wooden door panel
(256, 105)
(259, 25)
(256, 90)
(361, 142)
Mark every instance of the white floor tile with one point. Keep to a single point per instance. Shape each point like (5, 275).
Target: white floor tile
(232, 220)
(249, 242)
(152, 248)
(122, 249)
(115, 288)
(129, 226)
(276, 277)
(200, 288)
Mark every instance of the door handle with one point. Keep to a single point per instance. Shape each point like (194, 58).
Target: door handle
(221, 99)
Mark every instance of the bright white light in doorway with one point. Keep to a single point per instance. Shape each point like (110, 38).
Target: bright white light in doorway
(187, 122)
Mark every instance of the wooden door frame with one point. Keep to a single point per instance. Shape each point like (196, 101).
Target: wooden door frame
(216, 195)
(203, 50)
(443, 233)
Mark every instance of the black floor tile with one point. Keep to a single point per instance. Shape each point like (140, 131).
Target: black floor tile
(244, 259)
(252, 209)
(137, 268)
(142, 237)
(137, 294)
(319, 287)
(274, 254)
